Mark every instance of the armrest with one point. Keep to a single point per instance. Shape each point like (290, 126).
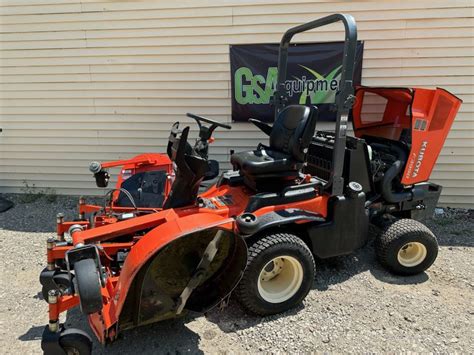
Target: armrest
(264, 127)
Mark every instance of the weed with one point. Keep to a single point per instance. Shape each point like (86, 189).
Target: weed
(31, 193)
(50, 195)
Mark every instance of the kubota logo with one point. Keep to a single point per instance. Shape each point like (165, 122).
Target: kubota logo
(419, 160)
(256, 89)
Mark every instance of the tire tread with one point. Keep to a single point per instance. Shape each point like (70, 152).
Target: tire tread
(394, 231)
(254, 251)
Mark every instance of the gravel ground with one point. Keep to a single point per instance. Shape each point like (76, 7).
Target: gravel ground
(355, 306)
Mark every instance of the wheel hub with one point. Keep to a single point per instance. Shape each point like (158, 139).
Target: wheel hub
(411, 254)
(280, 279)
(272, 269)
(71, 351)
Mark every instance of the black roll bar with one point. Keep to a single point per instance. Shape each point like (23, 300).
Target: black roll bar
(344, 97)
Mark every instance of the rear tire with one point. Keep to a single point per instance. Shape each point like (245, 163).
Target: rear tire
(280, 272)
(406, 247)
(88, 286)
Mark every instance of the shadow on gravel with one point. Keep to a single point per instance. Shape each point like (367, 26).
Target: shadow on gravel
(167, 337)
(34, 333)
(387, 277)
(454, 228)
(233, 318)
(339, 269)
(37, 214)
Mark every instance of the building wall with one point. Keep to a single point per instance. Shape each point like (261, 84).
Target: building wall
(85, 80)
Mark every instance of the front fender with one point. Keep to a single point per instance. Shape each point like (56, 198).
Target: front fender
(160, 265)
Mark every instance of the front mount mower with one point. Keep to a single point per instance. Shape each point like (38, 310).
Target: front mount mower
(158, 248)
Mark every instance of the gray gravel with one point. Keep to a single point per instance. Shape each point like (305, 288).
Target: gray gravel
(355, 306)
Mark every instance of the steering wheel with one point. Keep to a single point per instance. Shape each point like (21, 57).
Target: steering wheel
(205, 133)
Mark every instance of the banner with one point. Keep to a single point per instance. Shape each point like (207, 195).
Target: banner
(313, 74)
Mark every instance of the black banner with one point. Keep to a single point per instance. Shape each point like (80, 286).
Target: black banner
(314, 71)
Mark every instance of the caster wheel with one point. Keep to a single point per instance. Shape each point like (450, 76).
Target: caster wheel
(406, 247)
(280, 272)
(75, 342)
(88, 286)
(62, 282)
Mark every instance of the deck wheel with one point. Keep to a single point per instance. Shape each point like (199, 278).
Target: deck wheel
(62, 284)
(88, 286)
(75, 342)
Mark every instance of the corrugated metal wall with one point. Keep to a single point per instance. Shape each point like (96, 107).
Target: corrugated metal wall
(83, 80)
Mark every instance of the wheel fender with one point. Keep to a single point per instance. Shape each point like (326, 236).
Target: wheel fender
(146, 260)
(278, 218)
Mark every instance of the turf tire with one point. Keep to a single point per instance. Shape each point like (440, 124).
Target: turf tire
(399, 233)
(262, 250)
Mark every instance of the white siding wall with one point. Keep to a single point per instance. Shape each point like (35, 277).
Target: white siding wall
(83, 80)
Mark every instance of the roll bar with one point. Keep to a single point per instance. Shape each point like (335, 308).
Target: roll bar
(344, 97)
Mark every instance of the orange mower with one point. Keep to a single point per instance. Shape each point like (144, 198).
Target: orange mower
(158, 247)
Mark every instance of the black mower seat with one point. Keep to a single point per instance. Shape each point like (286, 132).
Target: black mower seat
(263, 161)
(290, 137)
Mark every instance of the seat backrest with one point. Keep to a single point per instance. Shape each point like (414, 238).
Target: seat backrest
(293, 129)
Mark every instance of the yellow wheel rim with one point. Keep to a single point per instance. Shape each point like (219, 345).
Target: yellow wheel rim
(280, 279)
(412, 254)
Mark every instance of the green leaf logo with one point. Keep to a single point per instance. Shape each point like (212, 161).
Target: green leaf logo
(321, 96)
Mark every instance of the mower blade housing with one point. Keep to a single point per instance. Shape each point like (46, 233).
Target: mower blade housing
(157, 289)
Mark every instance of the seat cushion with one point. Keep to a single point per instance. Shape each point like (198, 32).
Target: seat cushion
(263, 162)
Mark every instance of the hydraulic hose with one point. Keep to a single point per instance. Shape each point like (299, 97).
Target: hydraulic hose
(387, 187)
(129, 196)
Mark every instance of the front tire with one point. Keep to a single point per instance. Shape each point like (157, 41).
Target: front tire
(406, 247)
(280, 272)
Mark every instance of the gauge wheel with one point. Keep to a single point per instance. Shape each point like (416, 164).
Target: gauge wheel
(88, 286)
(75, 342)
(280, 272)
(406, 247)
(62, 282)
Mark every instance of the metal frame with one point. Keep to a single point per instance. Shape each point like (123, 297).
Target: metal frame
(344, 97)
